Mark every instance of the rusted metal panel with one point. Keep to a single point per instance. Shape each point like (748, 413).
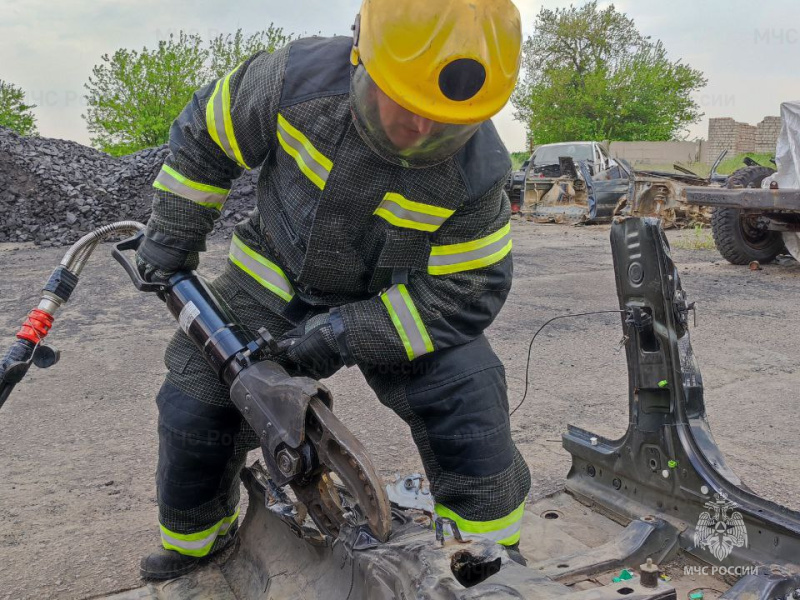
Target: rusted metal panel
(754, 199)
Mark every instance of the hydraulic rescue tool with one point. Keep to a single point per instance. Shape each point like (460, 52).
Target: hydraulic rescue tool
(304, 445)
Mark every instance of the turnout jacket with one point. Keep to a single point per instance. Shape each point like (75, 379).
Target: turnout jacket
(408, 261)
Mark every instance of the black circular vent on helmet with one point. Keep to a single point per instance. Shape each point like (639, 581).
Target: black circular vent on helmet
(462, 79)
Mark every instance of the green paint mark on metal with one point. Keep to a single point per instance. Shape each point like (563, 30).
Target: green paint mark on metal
(624, 575)
(663, 383)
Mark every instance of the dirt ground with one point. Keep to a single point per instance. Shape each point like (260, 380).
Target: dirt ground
(78, 442)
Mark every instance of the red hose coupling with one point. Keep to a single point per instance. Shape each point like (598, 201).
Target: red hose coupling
(36, 326)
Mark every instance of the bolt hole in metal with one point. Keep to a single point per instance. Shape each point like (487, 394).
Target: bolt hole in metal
(653, 464)
(625, 591)
(562, 566)
(551, 514)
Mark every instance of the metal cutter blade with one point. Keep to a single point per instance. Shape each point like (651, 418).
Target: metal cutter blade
(339, 452)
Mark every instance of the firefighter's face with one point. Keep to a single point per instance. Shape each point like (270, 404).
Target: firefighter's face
(397, 134)
(403, 128)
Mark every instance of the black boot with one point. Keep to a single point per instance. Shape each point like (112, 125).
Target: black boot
(168, 564)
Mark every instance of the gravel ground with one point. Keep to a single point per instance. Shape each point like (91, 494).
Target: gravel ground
(78, 442)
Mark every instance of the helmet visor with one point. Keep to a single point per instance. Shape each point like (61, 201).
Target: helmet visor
(399, 135)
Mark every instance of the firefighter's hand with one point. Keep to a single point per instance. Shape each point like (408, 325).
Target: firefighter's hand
(157, 263)
(312, 347)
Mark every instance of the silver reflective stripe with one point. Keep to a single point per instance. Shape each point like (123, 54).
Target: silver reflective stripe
(191, 544)
(263, 270)
(205, 195)
(219, 121)
(402, 212)
(411, 215)
(471, 255)
(226, 526)
(299, 147)
(475, 254)
(408, 324)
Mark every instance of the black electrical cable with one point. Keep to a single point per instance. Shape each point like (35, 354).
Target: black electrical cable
(546, 323)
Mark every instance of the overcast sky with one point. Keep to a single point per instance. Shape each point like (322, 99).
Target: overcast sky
(749, 51)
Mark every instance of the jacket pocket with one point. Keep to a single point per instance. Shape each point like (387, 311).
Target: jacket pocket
(402, 250)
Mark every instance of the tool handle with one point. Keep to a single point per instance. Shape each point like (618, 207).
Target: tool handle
(13, 367)
(133, 243)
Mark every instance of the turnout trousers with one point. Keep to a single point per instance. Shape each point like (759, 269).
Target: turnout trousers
(454, 401)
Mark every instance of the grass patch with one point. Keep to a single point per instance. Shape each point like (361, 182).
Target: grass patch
(697, 238)
(726, 167)
(731, 164)
(517, 158)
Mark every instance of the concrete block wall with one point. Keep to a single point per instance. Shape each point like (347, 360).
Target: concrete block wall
(725, 133)
(721, 136)
(656, 153)
(745, 138)
(767, 132)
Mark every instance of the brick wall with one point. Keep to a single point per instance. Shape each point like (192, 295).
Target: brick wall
(737, 138)
(767, 134)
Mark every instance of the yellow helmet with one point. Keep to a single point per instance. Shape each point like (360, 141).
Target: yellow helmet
(451, 61)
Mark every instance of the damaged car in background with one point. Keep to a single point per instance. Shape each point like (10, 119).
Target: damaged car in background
(544, 169)
(587, 186)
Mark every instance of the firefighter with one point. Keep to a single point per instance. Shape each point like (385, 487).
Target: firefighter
(380, 238)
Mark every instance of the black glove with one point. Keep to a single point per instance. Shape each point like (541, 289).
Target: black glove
(157, 262)
(312, 347)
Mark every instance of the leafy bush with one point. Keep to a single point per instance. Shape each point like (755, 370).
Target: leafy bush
(14, 113)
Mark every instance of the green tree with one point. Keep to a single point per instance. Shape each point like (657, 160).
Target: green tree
(588, 73)
(133, 96)
(227, 51)
(14, 113)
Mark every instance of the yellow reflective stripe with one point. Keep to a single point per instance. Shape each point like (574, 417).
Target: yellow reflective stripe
(226, 106)
(407, 322)
(402, 212)
(314, 165)
(505, 530)
(211, 122)
(169, 180)
(199, 543)
(454, 258)
(473, 245)
(263, 270)
(427, 209)
(219, 122)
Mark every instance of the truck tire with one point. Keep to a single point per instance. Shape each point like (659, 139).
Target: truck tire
(737, 235)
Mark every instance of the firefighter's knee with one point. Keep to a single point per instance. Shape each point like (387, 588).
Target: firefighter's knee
(460, 396)
(196, 443)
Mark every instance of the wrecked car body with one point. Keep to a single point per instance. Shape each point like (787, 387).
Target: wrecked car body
(662, 494)
(577, 196)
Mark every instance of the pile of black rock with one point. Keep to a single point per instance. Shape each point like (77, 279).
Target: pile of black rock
(54, 191)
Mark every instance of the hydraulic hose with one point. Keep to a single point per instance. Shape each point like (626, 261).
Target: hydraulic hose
(28, 348)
